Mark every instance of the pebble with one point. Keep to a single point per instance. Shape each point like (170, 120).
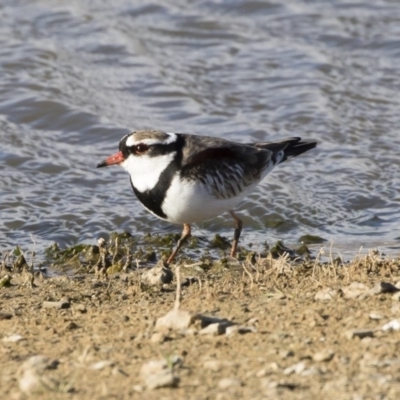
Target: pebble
(286, 353)
(80, 307)
(375, 315)
(360, 333)
(102, 364)
(32, 375)
(323, 355)
(227, 383)
(175, 319)
(311, 371)
(161, 380)
(158, 275)
(13, 338)
(355, 290)
(295, 369)
(326, 294)
(395, 309)
(213, 365)
(217, 365)
(158, 373)
(393, 325)
(157, 337)
(271, 387)
(262, 372)
(62, 304)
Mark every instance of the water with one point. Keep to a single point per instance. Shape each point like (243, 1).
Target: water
(76, 76)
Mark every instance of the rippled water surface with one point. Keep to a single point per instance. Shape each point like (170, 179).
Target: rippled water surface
(75, 76)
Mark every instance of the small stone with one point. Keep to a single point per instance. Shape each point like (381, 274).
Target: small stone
(157, 337)
(261, 373)
(286, 353)
(227, 383)
(158, 373)
(325, 294)
(175, 319)
(32, 375)
(295, 369)
(161, 380)
(360, 333)
(153, 367)
(102, 364)
(375, 316)
(213, 365)
(393, 325)
(269, 385)
(80, 307)
(62, 304)
(273, 367)
(311, 371)
(355, 290)
(158, 275)
(117, 372)
(13, 338)
(323, 356)
(395, 309)
(268, 369)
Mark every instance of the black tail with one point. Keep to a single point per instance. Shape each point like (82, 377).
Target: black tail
(291, 147)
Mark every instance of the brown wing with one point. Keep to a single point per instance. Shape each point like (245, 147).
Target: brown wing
(227, 168)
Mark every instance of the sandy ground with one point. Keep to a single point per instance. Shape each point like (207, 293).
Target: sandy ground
(281, 329)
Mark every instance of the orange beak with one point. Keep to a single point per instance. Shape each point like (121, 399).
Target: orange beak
(115, 159)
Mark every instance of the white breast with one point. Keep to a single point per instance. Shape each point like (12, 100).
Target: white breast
(145, 171)
(189, 201)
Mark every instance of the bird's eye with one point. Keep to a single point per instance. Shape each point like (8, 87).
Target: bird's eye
(140, 148)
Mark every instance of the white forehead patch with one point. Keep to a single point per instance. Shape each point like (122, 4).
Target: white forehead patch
(145, 171)
(149, 141)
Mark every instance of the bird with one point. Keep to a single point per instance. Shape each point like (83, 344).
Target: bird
(184, 178)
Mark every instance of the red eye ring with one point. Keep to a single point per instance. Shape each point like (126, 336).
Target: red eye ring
(141, 148)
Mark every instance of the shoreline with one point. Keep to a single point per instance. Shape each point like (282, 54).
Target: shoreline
(258, 328)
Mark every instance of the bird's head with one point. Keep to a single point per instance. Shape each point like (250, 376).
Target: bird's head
(145, 155)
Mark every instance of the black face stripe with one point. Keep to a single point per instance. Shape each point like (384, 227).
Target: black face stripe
(153, 199)
(161, 149)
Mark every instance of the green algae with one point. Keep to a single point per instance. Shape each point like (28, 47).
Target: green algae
(20, 264)
(311, 239)
(5, 281)
(124, 251)
(220, 242)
